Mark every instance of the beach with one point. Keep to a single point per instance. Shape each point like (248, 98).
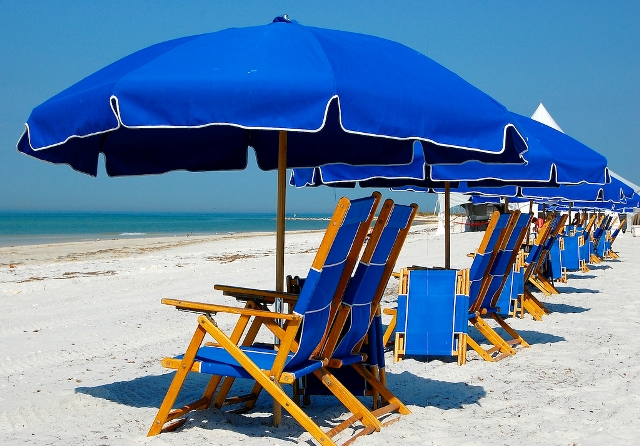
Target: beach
(82, 333)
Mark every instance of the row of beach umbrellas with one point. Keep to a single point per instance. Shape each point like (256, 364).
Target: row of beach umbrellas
(340, 108)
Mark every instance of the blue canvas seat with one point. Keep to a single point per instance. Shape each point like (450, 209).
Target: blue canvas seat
(303, 330)
(571, 260)
(555, 266)
(511, 294)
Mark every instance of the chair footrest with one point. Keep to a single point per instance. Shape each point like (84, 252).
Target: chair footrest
(239, 399)
(174, 425)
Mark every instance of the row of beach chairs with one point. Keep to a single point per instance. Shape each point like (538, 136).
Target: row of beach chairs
(332, 341)
(436, 307)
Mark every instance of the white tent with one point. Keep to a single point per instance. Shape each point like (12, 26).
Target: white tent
(542, 115)
(634, 186)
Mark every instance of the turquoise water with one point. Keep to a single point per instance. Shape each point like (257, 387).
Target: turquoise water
(22, 228)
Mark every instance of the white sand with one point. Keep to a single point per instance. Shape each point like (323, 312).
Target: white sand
(82, 332)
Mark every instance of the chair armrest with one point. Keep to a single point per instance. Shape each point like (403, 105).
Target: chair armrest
(212, 308)
(265, 296)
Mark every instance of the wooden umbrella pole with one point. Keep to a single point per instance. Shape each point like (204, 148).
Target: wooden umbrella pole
(506, 205)
(569, 219)
(280, 226)
(530, 213)
(280, 217)
(447, 225)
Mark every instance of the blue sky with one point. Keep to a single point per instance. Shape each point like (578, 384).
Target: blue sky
(581, 59)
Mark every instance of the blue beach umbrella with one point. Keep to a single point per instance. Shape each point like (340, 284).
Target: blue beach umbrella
(553, 158)
(615, 191)
(299, 96)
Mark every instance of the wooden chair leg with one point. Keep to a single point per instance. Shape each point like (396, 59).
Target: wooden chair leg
(506, 327)
(165, 413)
(392, 325)
(386, 394)
(359, 411)
(534, 306)
(269, 383)
(500, 345)
(478, 349)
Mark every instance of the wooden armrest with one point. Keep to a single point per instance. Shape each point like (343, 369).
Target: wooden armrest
(253, 294)
(212, 308)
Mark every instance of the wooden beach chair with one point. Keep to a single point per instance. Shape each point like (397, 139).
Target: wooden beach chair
(612, 238)
(596, 231)
(432, 317)
(486, 301)
(534, 263)
(303, 329)
(360, 366)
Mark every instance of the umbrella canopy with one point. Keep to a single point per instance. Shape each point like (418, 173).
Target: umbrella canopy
(197, 103)
(615, 191)
(299, 96)
(553, 158)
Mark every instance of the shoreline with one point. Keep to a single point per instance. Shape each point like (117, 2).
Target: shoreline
(107, 248)
(123, 246)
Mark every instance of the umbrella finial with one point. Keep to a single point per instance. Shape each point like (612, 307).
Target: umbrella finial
(283, 18)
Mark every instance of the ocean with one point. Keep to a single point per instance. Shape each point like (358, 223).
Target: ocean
(25, 228)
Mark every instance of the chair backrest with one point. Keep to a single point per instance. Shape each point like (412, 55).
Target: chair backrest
(615, 233)
(330, 271)
(429, 313)
(365, 289)
(537, 257)
(538, 247)
(485, 257)
(505, 258)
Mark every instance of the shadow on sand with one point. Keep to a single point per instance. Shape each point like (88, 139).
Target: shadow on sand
(532, 337)
(580, 276)
(601, 266)
(326, 411)
(564, 308)
(570, 289)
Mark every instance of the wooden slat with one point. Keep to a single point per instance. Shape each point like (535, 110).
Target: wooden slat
(250, 293)
(213, 308)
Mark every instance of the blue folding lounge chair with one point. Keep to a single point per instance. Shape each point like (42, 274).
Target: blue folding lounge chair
(612, 239)
(533, 274)
(555, 269)
(358, 318)
(432, 313)
(596, 236)
(537, 276)
(420, 329)
(299, 337)
(572, 239)
(586, 249)
(493, 283)
(602, 241)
